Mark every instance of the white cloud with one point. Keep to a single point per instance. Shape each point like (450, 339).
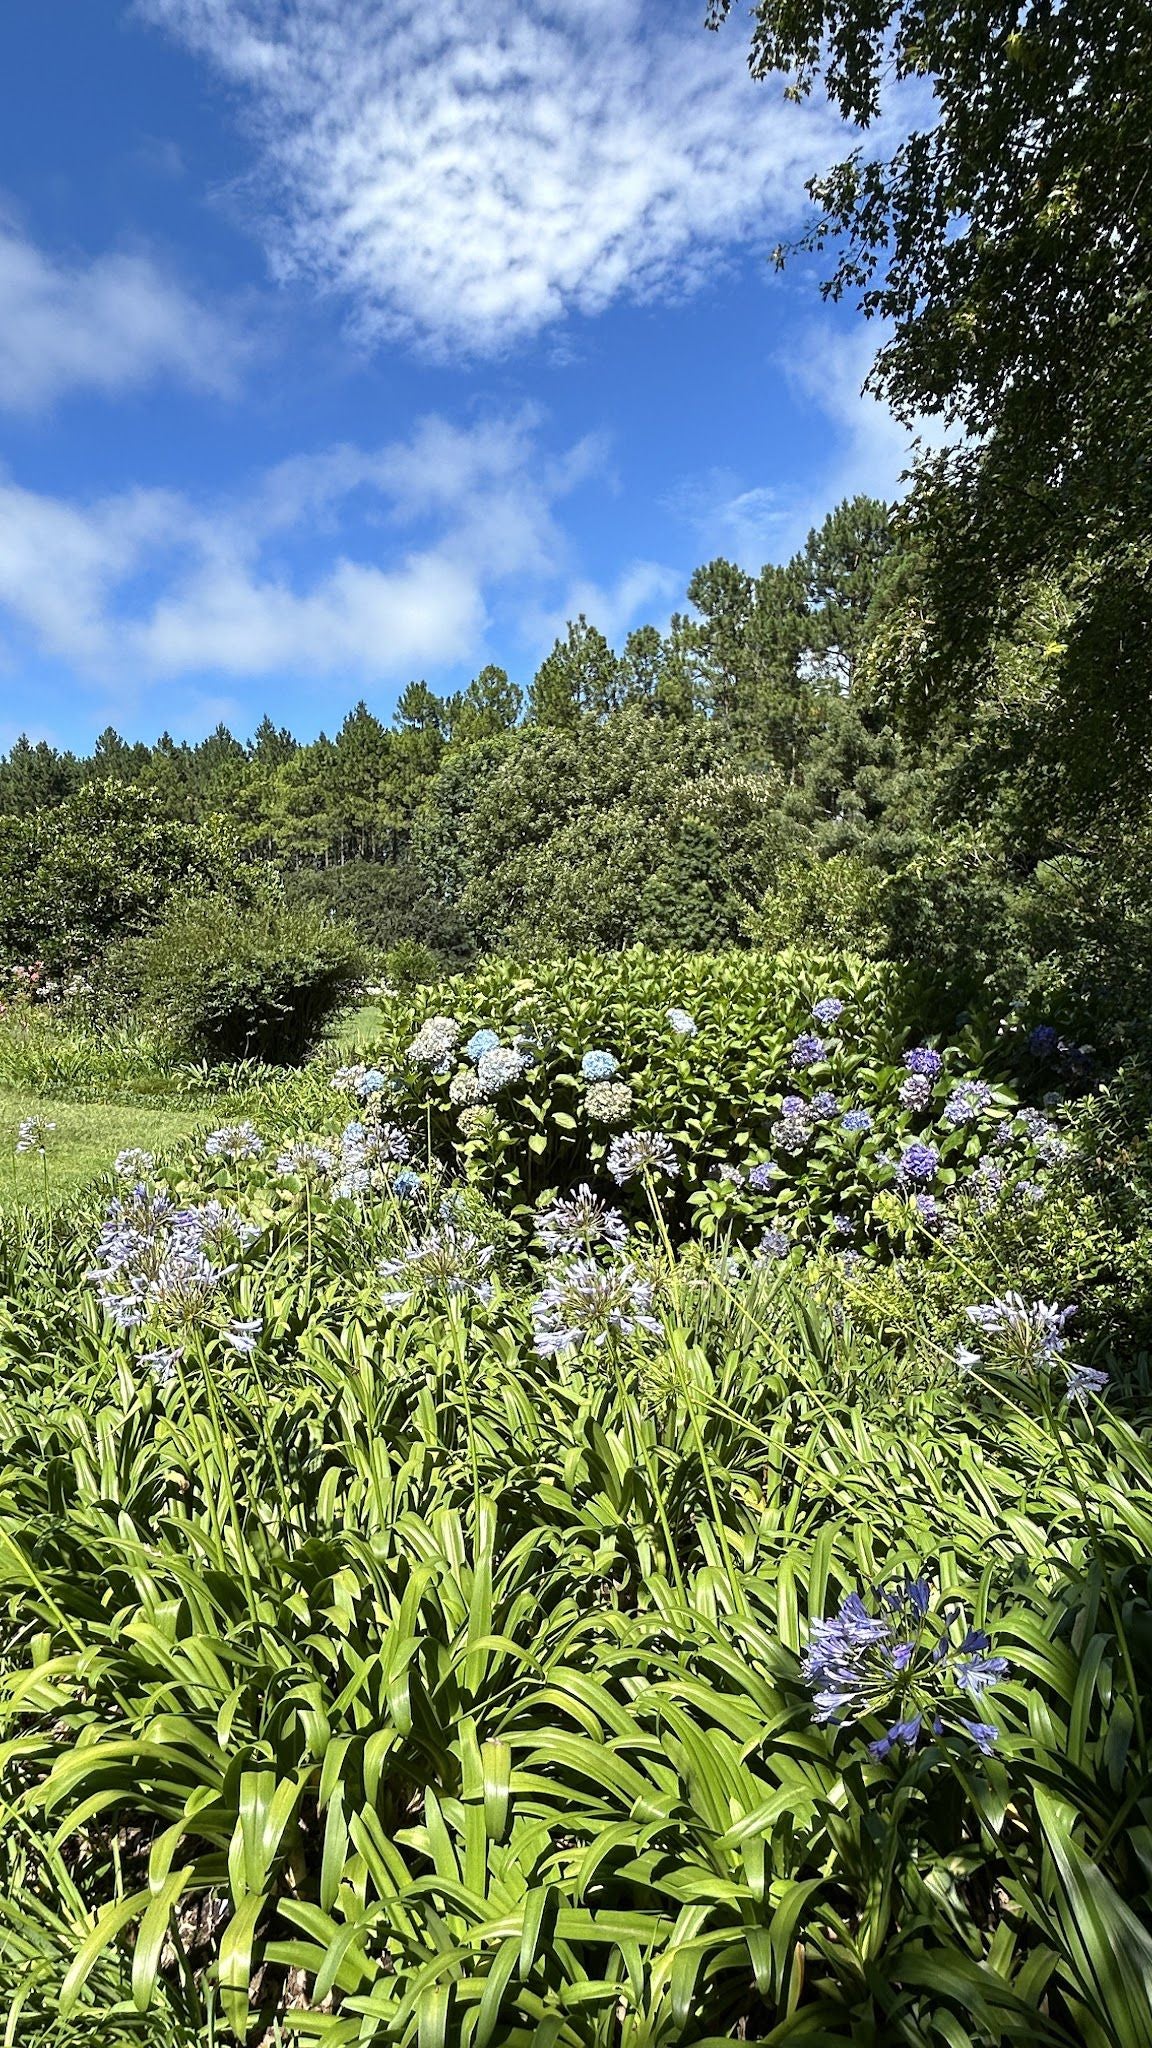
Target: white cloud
(150, 585)
(636, 593)
(106, 324)
(468, 175)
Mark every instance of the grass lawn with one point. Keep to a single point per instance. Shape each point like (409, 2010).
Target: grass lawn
(87, 1137)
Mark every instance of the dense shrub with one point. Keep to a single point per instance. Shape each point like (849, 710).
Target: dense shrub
(103, 864)
(230, 984)
(753, 1098)
(388, 903)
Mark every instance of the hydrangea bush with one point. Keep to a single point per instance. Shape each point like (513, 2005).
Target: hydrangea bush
(793, 1089)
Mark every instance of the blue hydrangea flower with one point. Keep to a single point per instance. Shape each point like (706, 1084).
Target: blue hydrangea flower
(967, 1103)
(373, 1082)
(599, 1066)
(918, 1162)
(843, 1225)
(856, 1120)
(824, 1103)
(500, 1067)
(481, 1042)
(1043, 1041)
(407, 1183)
(775, 1244)
(683, 1025)
(794, 1106)
(827, 1011)
(761, 1176)
(921, 1059)
(807, 1050)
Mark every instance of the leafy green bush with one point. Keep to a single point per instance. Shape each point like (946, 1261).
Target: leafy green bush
(230, 984)
(104, 864)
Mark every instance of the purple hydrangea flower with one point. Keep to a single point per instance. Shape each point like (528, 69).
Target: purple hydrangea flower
(921, 1059)
(761, 1176)
(807, 1050)
(916, 1092)
(775, 1244)
(824, 1103)
(967, 1103)
(1043, 1041)
(827, 1011)
(918, 1162)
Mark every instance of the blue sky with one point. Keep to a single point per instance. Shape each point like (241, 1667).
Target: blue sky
(346, 341)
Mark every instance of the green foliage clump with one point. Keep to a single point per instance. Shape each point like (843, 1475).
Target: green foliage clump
(102, 864)
(230, 984)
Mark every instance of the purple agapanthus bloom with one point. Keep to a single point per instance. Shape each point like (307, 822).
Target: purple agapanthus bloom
(906, 1661)
(1084, 1380)
(641, 1152)
(586, 1304)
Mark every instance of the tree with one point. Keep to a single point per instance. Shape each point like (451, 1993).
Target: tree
(490, 705)
(844, 562)
(35, 776)
(581, 674)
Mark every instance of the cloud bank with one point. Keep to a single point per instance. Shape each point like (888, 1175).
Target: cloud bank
(417, 539)
(107, 324)
(467, 176)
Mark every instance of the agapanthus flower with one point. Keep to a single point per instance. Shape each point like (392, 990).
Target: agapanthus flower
(1028, 1333)
(162, 1363)
(906, 1660)
(922, 1059)
(918, 1162)
(578, 1223)
(133, 1164)
(348, 1079)
(235, 1142)
(1084, 1380)
(807, 1050)
(33, 1133)
(156, 1260)
(435, 1044)
(481, 1042)
(827, 1011)
(856, 1121)
(968, 1102)
(407, 1183)
(500, 1068)
(448, 1262)
(242, 1333)
(609, 1102)
(916, 1091)
(599, 1066)
(586, 1304)
(641, 1152)
(682, 1024)
(304, 1158)
(763, 1174)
